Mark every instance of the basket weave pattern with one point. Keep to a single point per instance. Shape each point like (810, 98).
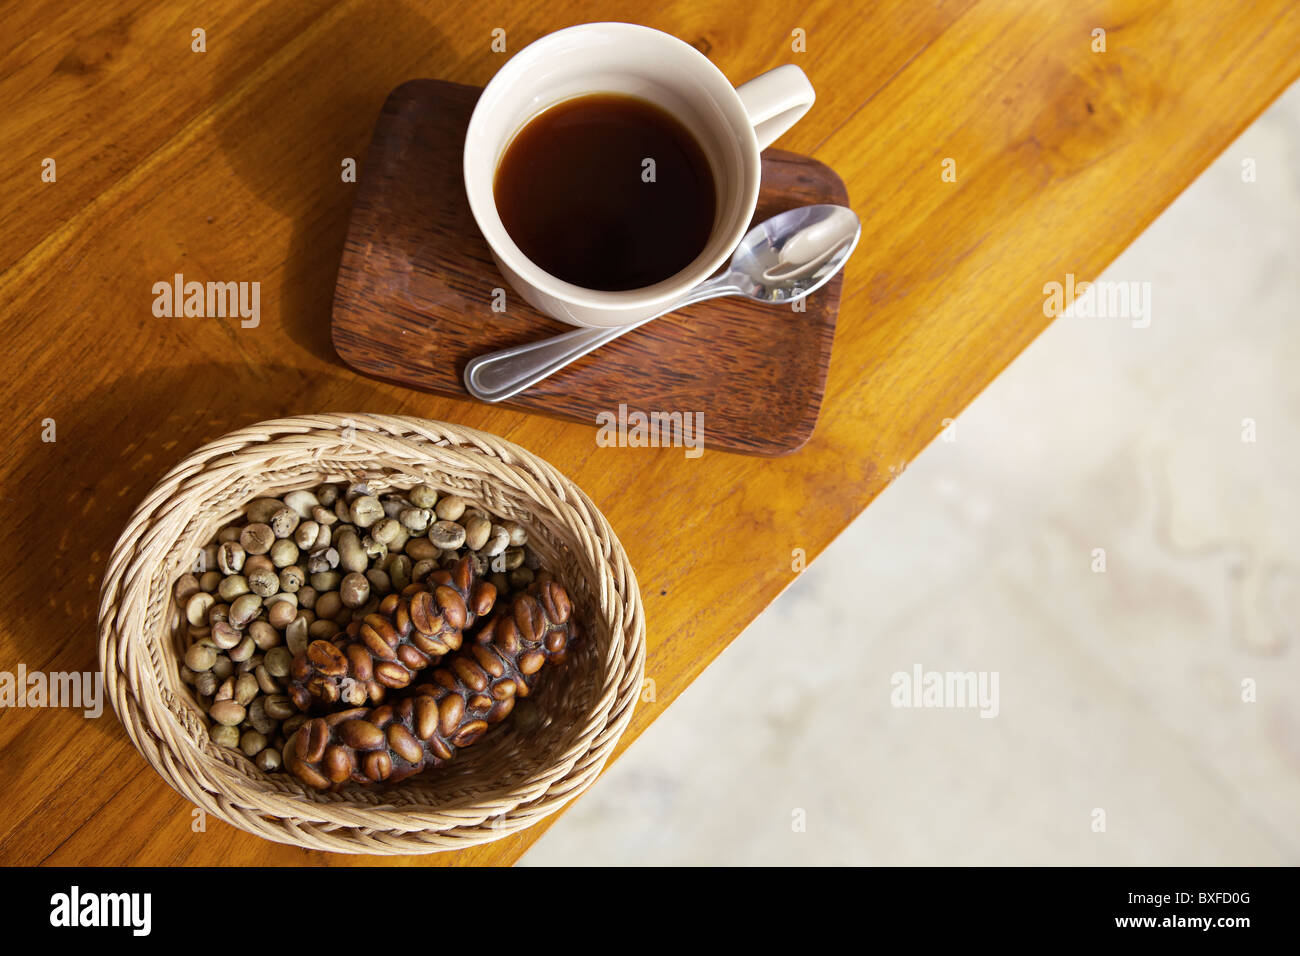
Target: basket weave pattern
(507, 781)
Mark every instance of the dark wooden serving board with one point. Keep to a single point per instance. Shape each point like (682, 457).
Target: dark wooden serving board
(415, 285)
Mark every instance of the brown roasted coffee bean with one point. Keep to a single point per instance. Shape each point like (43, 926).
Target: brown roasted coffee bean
(315, 735)
(470, 733)
(404, 634)
(392, 674)
(448, 711)
(469, 672)
(411, 658)
(378, 764)
(404, 743)
(340, 763)
(327, 658)
(361, 735)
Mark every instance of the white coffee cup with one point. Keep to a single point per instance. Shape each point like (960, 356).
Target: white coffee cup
(732, 125)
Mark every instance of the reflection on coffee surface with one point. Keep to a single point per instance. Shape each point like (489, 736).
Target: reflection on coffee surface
(606, 191)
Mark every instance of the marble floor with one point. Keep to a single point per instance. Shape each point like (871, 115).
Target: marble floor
(1111, 530)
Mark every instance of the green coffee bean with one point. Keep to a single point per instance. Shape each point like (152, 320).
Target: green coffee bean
(423, 569)
(225, 636)
(399, 572)
(278, 662)
(200, 658)
(265, 682)
(226, 691)
(305, 535)
(244, 608)
(284, 522)
(206, 683)
(450, 508)
(252, 743)
(257, 562)
(209, 581)
(224, 736)
(259, 510)
(281, 613)
(284, 553)
(354, 590)
(329, 604)
(447, 535)
(352, 557)
(229, 713)
(229, 533)
(327, 495)
(477, 531)
(324, 516)
(416, 519)
(279, 707)
(263, 635)
(290, 726)
(187, 585)
(196, 609)
(230, 557)
(257, 716)
(423, 496)
(366, 511)
(264, 582)
(257, 538)
(307, 597)
(321, 630)
(380, 583)
(242, 651)
(293, 578)
(385, 530)
(268, 760)
(375, 551)
(498, 542)
(324, 582)
(224, 667)
(421, 549)
(232, 587)
(295, 636)
(520, 578)
(301, 502)
(246, 688)
(518, 533)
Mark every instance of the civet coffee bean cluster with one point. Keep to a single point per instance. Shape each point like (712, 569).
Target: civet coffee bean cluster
(308, 614)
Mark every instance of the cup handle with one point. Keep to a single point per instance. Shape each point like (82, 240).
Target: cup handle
(775, 101)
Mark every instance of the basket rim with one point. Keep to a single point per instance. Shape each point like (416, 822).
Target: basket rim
(287, 813)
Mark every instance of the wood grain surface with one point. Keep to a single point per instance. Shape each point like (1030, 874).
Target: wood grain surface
(225, 166)
(414, 300)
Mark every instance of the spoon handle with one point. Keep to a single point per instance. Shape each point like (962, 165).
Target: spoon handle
(500, 375)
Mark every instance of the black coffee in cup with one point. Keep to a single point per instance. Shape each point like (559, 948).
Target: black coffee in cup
(606, 191)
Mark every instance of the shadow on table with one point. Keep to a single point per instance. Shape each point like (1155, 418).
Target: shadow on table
(289, 138)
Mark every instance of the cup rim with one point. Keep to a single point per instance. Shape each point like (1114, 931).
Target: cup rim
(513, 258)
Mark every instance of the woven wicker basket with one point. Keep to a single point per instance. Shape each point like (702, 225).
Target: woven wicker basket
(506, 782)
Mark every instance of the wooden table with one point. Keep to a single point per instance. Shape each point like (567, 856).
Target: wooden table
(225, 165)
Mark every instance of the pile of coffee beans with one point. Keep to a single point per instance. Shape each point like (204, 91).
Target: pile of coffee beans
(298, 568)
